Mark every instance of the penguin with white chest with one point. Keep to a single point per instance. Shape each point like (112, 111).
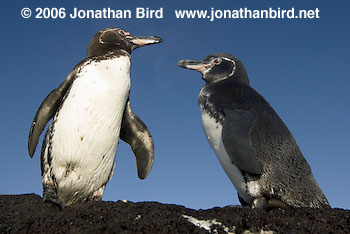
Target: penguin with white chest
(90, 111)
(253, 145)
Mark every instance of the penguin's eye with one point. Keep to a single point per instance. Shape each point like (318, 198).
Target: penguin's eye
(217, 61)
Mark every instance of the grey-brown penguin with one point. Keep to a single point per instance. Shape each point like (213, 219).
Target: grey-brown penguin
(253, 145)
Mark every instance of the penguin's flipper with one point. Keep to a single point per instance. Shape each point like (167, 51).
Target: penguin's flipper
(135, 133)
(237, 142)
(46, 111)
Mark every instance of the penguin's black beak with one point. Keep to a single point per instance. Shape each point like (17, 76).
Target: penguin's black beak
(200, 66)
(142, 41)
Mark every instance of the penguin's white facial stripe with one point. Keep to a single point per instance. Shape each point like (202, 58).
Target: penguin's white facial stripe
(218, 60)
(100, 40)
(220, 68)
(234, 65)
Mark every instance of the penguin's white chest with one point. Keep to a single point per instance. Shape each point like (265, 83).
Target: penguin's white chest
(213, 132)
(87, 127)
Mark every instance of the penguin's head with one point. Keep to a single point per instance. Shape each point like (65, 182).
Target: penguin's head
(218, 67)
(114, 39)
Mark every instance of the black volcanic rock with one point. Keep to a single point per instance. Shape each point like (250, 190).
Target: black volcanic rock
(28, 214)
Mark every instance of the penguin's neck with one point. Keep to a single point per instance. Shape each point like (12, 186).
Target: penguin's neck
(234, 79)
(109, 53)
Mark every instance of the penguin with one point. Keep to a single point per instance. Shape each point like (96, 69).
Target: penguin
(90, 111)
(253, 145)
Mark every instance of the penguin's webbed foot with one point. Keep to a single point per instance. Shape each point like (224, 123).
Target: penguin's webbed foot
(260, 203)
(50, 195)
(275, 203)
(272, 203)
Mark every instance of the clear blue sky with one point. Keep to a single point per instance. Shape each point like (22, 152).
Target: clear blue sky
(300, 66)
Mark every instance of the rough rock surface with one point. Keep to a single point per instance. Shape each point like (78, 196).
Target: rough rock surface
(28, 214)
